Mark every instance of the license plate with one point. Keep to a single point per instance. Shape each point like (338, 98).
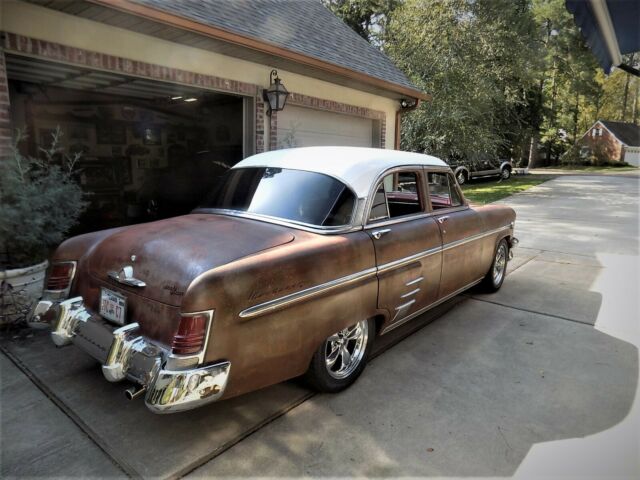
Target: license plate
(113, 306)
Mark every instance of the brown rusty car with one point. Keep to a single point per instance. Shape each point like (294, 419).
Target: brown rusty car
(292, 266)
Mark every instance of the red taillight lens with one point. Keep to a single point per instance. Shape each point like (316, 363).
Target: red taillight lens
(191, 333)
(60, 276)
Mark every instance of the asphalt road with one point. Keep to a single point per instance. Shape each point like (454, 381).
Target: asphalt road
(538, 379)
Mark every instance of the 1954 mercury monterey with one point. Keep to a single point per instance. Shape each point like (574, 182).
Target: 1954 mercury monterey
(292, 266)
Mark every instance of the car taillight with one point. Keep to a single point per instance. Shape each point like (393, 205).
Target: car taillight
(61, 276)
(190, 337)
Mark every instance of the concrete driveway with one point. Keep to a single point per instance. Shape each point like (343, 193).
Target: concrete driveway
(538, 379)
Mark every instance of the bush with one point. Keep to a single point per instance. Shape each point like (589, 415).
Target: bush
(39, 202)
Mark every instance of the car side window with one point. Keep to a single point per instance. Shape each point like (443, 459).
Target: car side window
(442, 191)
(397, 195)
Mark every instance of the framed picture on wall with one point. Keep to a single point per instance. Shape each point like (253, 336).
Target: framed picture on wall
(152, 136)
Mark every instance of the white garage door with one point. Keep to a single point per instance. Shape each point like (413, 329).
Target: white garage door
(306, 127)
(632, 156)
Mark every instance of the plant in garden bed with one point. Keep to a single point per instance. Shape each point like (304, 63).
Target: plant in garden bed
(39, 202)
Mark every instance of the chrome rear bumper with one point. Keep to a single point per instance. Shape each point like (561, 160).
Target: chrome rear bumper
(126, 354)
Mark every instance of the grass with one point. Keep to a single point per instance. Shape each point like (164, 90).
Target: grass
(487, 191)
(592, 168)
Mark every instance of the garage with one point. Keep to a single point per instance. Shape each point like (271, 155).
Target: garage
(306, 127)
(146, 149)
(632, 156)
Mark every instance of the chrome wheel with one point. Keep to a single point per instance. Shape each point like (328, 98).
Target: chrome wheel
(499, 264)
(343, 351)
(506, 173)
(461, 178)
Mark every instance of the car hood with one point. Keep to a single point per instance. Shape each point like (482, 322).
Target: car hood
(167, 255)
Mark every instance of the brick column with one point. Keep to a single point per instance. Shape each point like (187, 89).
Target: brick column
(5, 124)
(259, 125)
(273, 131)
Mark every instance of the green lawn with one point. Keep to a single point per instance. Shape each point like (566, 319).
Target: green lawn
(487, 191)
(591, 168)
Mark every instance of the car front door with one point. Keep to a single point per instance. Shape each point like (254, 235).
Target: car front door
(407, 245)
(461, 227)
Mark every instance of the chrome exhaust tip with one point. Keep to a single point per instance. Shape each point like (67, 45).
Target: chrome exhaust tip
(134, 392)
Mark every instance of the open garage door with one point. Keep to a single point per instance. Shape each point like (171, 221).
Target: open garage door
(148, 149)
(306, 127)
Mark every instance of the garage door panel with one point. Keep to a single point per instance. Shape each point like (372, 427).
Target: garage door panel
(305, 127)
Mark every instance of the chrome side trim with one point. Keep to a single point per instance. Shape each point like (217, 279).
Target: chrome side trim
(473, 238)
(428, 307)
(286, 300)
(409, 294)
(413, 282)
(407, 260)
(404, 306)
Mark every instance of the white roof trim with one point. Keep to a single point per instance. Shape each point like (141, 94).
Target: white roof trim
(356, 167)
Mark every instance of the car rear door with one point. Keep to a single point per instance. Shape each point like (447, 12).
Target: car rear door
(407, 245)
(460, 227)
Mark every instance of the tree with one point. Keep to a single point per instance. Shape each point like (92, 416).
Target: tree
(368, 18)
(475, 59)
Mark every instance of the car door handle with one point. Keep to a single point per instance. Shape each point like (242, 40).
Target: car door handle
(441, 220)
(379, 233)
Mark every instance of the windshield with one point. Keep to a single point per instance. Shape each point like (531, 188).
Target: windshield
(294, 195)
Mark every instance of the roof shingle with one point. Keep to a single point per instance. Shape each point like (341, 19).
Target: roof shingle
(302, 26)
(627, 133)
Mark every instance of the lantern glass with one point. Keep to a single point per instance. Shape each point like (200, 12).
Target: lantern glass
(276, 95)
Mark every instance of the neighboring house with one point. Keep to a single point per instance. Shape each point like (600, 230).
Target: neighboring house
(160, 95)
(618, 141)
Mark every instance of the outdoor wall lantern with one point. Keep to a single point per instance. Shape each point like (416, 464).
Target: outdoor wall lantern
(276, 94)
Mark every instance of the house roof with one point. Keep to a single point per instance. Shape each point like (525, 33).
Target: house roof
(627, 133)
(356, 167)
(304, 27)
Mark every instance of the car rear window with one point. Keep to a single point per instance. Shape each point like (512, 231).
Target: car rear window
(295, 195)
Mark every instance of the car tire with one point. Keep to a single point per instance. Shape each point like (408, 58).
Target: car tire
(331, 370)
(462, 177)
(505, 173)
(494, 278)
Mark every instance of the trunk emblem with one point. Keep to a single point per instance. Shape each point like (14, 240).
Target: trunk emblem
(125, 276)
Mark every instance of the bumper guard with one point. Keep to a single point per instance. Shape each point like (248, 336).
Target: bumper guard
(126, 354)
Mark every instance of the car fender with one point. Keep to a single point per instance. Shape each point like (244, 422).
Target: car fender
(506, 163)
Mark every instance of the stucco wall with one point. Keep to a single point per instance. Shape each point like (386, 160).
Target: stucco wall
(45, 24)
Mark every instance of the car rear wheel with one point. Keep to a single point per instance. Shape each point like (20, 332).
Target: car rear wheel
(494, 278)
(505, 173)
(342, 357)
(461, 177)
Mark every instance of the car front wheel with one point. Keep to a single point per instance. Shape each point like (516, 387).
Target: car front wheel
(494, 278)
(342, 357)
(461, 177)
(506, 173)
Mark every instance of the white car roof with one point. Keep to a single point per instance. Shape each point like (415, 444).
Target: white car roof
(357, 167)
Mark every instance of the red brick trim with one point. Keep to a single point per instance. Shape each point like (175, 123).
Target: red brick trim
(5, 124)
(273, 131)
(85, 58)
(331, 106)
(259, 125)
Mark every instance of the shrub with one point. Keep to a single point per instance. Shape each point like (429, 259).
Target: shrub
(39, 202)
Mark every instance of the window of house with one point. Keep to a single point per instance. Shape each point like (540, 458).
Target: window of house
(397, 195)
(442, 191)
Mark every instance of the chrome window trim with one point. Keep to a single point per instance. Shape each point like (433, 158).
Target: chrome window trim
(300, 295)
(283, 221)
(372, 191)
(279, 221)
(285, 300)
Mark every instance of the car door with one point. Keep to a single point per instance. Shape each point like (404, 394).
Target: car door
(407, 245)
(462, 255)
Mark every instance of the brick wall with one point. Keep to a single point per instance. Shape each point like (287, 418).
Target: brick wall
(85, 58)
(607, 143)
(5, 126)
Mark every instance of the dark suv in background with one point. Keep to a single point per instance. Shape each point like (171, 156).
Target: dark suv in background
(480, 166)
